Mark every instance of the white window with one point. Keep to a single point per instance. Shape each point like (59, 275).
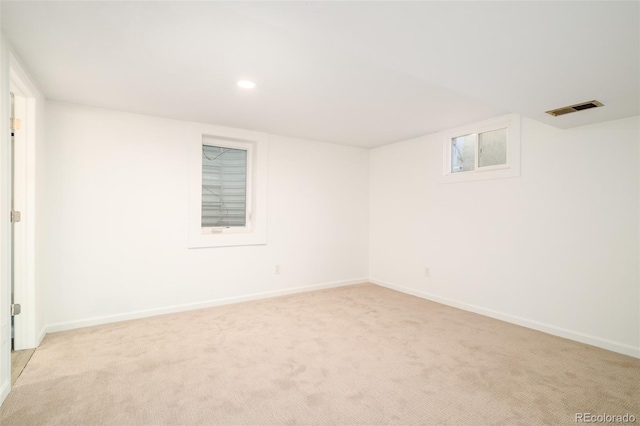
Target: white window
(227, 187)
(486, 150)
(479, 151)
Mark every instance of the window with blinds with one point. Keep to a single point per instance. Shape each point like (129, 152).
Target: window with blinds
(227, 186)
(224, 186)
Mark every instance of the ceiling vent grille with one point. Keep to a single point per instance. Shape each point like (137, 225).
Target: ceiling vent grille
(574, 108)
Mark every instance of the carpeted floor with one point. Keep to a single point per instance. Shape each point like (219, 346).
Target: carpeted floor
(352, 355)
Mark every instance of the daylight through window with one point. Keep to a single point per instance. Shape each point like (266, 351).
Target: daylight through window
(488, 149)
(224, 187)
(479, 151)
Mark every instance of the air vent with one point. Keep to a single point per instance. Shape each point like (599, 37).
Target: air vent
(574, 108)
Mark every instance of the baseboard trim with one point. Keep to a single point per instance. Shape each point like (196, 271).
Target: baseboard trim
(4, 390)
(524, 322)
(63, 326)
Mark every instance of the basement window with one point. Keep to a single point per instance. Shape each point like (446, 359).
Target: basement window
(479, 151)
(486, 150)
(227, 187)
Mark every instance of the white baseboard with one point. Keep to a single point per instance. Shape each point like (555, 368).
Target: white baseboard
(4, 390)
(62, 326)
(524, 322)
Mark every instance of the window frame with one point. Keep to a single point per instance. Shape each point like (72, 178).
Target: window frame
(257, 144)
(240, 145)
(510, 169)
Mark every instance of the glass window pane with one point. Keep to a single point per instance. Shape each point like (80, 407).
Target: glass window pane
(224, 186)
(463, 154)
(492, 148)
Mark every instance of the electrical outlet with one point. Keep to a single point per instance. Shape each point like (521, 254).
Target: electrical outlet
(277, 270)
(427, 271)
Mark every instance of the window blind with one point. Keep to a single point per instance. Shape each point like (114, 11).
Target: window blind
(224, 186)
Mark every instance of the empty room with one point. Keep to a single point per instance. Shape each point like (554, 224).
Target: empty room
(319, 213)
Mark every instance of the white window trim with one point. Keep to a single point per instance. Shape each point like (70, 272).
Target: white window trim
(245, 146)
(511, 169)
(257, 145)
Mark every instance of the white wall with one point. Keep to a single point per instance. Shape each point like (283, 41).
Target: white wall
(40, 215)
(116, 227)
(556, 249)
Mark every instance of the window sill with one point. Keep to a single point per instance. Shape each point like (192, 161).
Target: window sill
(227, 240)
(501, 173)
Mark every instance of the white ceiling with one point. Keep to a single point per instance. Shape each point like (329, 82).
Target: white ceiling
(356, 73)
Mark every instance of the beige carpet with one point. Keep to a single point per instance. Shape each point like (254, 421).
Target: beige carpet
(353, 355)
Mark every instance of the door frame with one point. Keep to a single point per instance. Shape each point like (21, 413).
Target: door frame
(13, 74)
(23, 262)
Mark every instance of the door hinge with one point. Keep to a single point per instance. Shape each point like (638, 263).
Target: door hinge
(15, 216)
(15, 309)
(15, 124)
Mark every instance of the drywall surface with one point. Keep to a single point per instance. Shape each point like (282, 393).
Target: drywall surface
(555, 249)
(116, 234)
(40, 213)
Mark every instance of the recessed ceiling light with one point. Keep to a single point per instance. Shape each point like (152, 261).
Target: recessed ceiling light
(246, 84)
